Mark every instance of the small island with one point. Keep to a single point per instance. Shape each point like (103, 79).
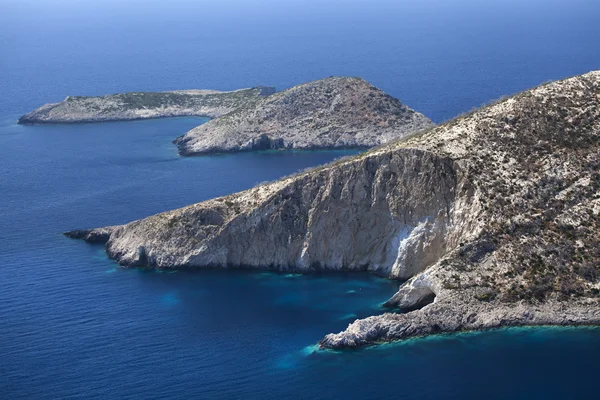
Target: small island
(144, 105)
(332, 113)
(489, 220)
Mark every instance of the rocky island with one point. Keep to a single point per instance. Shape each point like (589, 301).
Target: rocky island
(144, 105)
(337, 112)
(332, 113)
(490, 220)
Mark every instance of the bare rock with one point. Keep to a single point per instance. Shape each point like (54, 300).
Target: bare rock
(337, 112)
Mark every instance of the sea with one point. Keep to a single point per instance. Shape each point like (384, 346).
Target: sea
(74, 325)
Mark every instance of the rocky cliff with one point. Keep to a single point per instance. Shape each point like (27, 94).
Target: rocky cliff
(143, 105)
(336, 112)
(493, 219)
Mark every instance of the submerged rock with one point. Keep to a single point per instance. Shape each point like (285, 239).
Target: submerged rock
(144, 105)
(337, 112)
(495, 216)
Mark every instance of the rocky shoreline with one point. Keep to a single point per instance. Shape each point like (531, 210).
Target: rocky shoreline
(451, 312)
(492, 218)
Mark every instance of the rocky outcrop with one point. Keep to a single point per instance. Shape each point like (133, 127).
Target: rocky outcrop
(336, 112)
(330, 113)
(493, 218)
(100, 235)
(144, 105)
(456, 312)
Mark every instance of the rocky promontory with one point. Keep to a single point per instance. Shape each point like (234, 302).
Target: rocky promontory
(337, 112)
(489, 220)
(144, 105)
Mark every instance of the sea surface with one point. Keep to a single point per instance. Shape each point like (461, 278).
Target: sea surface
(74, 325)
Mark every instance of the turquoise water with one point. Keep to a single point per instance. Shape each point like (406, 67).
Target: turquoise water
(75, 325)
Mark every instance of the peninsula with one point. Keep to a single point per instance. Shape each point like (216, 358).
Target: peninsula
(490, 220)
(144, 105)
(337, 112)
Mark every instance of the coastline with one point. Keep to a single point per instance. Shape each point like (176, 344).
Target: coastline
(458, 210)
(457, 335)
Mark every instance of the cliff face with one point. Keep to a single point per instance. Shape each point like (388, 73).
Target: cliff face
(335, 112)
(494, 219)
(390, 213)
(142, 105)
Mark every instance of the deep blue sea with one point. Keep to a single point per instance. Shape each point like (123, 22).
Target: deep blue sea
(73, 325)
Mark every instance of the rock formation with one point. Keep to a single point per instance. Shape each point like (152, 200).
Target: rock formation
(329, 113)
(143, 105)
(492, 218)
(336, 112)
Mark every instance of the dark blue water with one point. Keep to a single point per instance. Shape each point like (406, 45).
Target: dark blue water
(73, 325)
